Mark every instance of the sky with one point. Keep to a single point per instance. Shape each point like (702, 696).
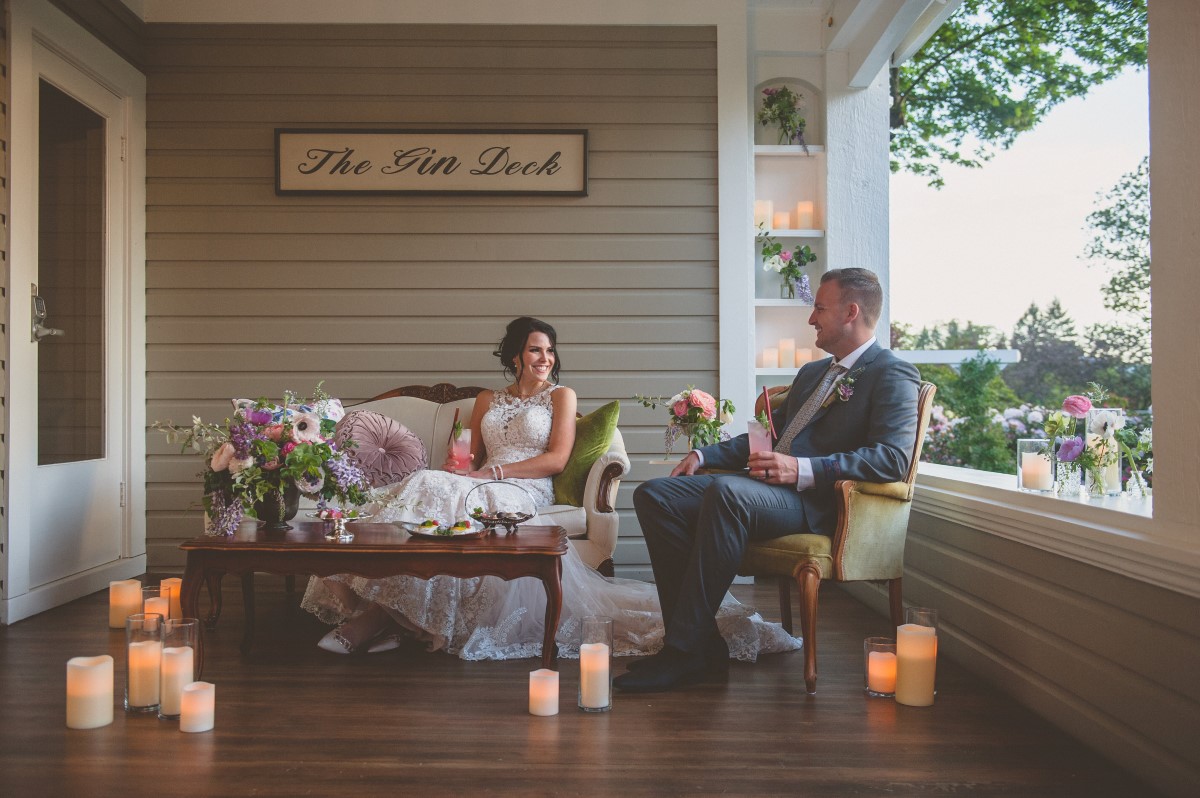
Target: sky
(1013, 232)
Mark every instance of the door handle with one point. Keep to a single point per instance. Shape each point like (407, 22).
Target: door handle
(39, 315)
(40, 332)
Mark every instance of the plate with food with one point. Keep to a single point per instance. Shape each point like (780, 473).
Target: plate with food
(437, 530)
(334, 513)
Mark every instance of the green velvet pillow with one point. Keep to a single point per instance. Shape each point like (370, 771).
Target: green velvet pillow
(593, 435)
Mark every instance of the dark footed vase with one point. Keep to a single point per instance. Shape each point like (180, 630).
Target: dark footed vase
(277, 508)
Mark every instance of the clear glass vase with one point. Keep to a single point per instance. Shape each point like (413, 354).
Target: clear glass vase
(1106, 481)
(1067, 482)
(787, 289)
(1136, 487)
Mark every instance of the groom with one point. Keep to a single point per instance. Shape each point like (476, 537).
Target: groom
(852, 416)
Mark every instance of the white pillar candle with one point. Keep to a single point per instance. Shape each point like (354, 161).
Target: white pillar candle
(170, 589)
(787, 353)
(145, 662)
(763, 210)
(543, 692)
(198, 707)
(770, 358)
(593, 675)
(160, 605)
(803, 356)
(124, 599)
(916, 664)
(177, 664)
(881, 672)
(805, 215)
(90, 690)
(1035, 472)
(781, 220)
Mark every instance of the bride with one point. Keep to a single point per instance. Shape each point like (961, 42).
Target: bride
(522, 435)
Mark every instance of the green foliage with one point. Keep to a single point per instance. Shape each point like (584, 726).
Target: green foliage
(782, 107)
(970, 393)
(955, 334)
(997, 67)
(1053, 364)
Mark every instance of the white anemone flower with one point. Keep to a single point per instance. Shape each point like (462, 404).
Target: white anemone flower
(306, 428)
(773, 263)
(1106, 423)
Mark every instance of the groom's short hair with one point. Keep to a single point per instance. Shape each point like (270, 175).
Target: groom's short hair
(861, 287)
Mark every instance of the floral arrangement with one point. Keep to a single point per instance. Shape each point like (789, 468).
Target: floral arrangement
(263, 449)
(1103, 441)
(788, 264)
(782, 107)
(693, 413)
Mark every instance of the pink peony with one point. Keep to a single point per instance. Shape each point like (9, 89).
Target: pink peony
(785, 255)
(274, 432)
(222, 456)
(1077, 406)
(707, 405)
(681, 408)
(286, 449)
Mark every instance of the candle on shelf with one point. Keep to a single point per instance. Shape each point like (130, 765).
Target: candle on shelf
(763, 210)
(124, 599)
(543, 692)
(781, 220)
(787, 353)
(770, 358)
(145, 661)
(803, 356)
(170, 588)
(90, 691)
(805, 215)
(916, 664)
(198, 707)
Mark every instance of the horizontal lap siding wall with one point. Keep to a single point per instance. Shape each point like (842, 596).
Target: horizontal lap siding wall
(1110, 659)
(249, 293)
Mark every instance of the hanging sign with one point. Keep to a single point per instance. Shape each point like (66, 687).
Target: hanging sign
(343, 161)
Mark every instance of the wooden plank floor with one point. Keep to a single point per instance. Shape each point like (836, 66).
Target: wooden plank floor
(294, 720)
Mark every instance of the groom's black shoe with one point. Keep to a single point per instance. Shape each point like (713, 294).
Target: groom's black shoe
(668, 669)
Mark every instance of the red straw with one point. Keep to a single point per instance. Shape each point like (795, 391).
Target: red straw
(767, 410)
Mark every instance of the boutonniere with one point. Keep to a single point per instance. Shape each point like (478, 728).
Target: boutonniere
(845, 387)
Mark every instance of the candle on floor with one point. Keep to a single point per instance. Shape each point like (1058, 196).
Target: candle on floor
(781, 220)
(90, 691)
(198, 707)
(787, 353)
(158, 605)
(124, 599)
(805, 215)
(916, 664)
(763, 211)
(145, 661)
(170, 588)
(177, 673)
(770, 358)
(593, 676)
(543, 692)
(803, 356)
(881, 672)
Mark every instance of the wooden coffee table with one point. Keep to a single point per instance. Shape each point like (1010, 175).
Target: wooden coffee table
(378, 550)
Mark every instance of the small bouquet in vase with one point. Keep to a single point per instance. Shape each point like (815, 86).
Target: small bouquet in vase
(694, 414)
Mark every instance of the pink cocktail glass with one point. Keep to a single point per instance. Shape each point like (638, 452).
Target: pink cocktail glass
(460, 451)
(760, 437)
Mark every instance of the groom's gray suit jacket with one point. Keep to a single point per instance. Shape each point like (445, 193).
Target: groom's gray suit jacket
(869, 436)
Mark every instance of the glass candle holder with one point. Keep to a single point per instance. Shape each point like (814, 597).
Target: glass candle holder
(178, 663)
(916, 657)
(1035, 465)
(170, 588)
(595, 664)
(879, 664)
(143, 645)
(156, 602)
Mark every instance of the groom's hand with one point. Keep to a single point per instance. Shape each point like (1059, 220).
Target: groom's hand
(774, 468)
(687, 466)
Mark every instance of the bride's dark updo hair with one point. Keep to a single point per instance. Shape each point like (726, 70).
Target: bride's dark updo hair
(516, 334)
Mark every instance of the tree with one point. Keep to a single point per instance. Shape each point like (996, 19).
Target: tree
(997, 67)
(971, 393)
(958, 335)
(1053, 364)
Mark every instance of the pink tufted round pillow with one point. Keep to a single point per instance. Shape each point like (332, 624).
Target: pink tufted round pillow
(387, 451)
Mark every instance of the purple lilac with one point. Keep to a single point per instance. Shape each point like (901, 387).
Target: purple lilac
(345, 473)
(804, 290)
(226, 515)
(242, 436)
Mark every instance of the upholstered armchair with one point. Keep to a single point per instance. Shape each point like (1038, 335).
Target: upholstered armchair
(428, 411)
(867, 546)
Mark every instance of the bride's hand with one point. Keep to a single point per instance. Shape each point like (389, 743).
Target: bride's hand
(450, 464)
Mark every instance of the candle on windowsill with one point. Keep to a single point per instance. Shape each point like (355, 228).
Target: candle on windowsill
(787, 353)
(1035, 472)
(781, 220)
(763, 211)
(770, 358)
(543, 692)
(170, 589)
(593, 675)
(90, 691)
(916, 664)
(124, 599)
(198, 707)
(805, 215)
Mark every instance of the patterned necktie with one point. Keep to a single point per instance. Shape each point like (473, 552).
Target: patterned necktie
(808, 409)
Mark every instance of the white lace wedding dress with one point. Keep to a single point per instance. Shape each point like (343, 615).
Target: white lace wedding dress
(489, 618)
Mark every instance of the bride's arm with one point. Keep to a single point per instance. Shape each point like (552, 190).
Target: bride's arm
(478, 452)
(558, 451)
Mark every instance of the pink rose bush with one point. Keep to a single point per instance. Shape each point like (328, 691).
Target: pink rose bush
(693, 413)
(265, 448)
